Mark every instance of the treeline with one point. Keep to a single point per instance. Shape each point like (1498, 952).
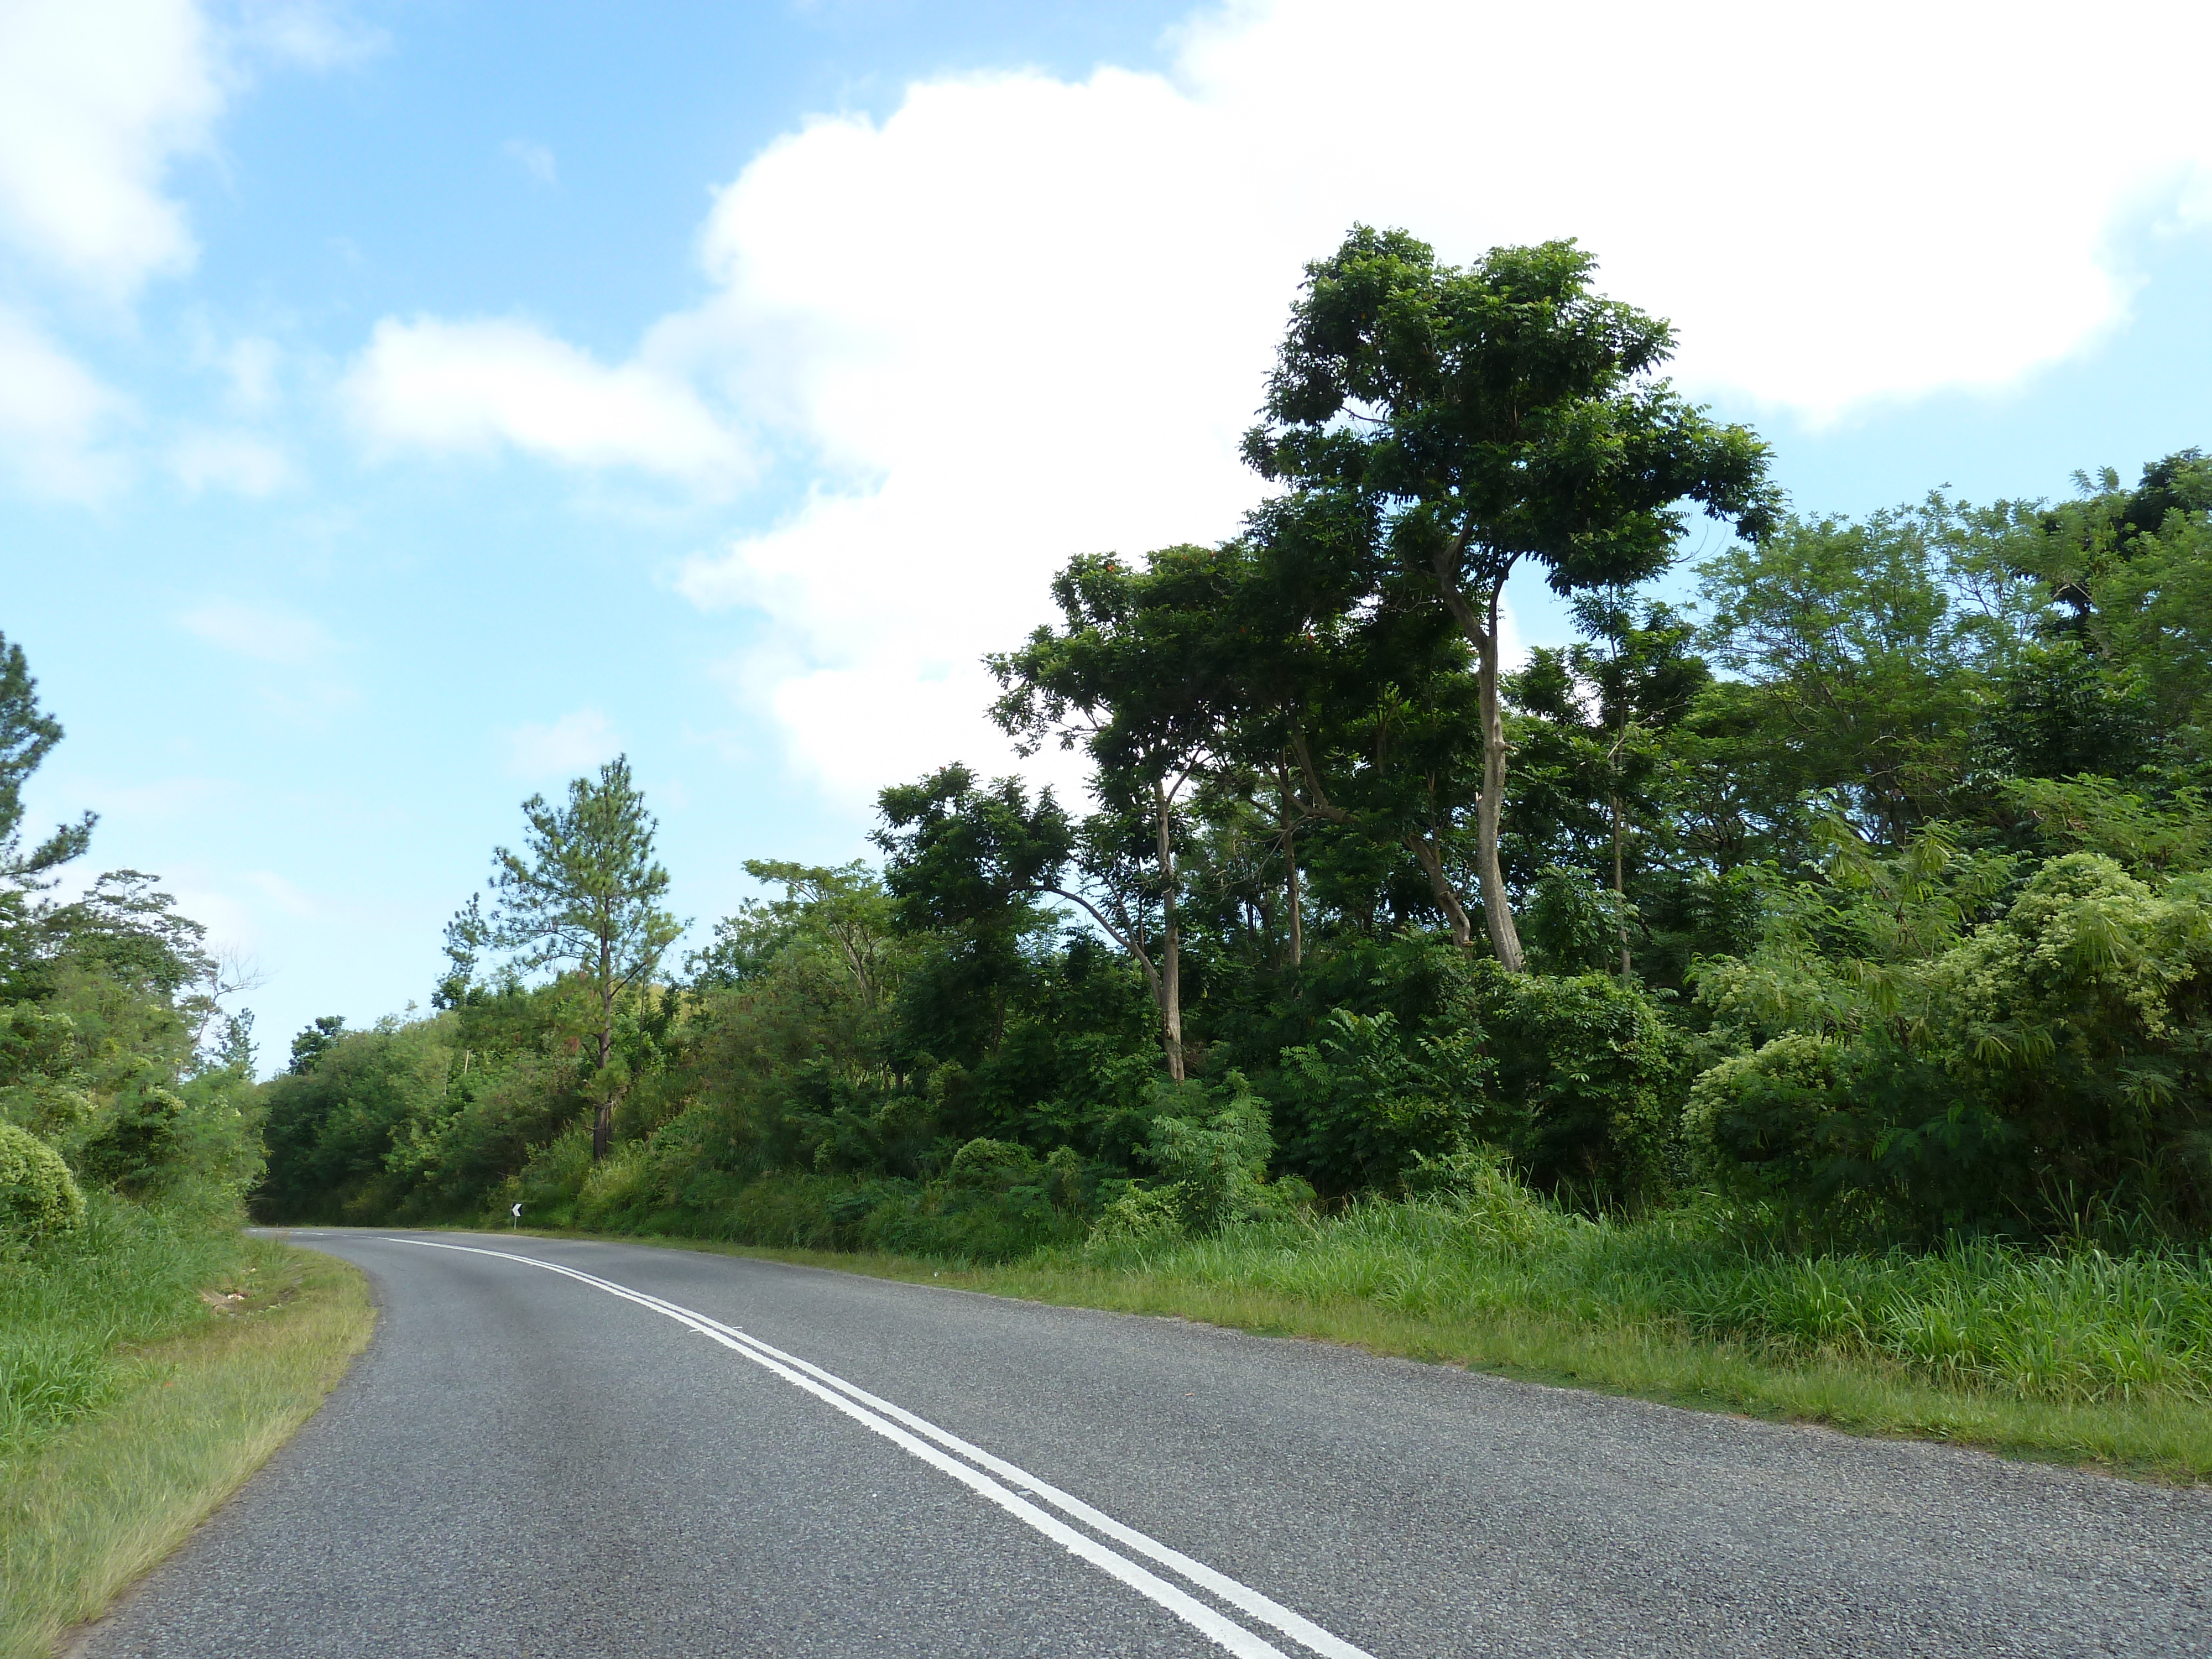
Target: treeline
(130, 1131)
(1870, 891)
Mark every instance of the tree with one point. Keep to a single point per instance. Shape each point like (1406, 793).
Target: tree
(585, 891)
(845, 908)
(1866, 647)
(1488, 414)
(315, 1042)
(28, 736)
(1596, 716)
(1141, 675)
(966, 857)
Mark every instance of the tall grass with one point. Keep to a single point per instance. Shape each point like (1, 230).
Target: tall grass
(2080, 1325)
(2077, 1326)
(99, 1500)
(73, 1310)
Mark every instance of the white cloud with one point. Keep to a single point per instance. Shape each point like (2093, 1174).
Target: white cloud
(1022, 317)
(96, 99)
(475, 385)
(535, 160)
(571, 744)
(312, 36)
(236, 461)
(262, 633)
(54, 414)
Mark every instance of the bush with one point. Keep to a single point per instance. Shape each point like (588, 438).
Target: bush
(38, 1196)
(1763, 1111)
(2051, 1063)
(1139, 1215)
(1594, 1078)
(1366, 1100)
(135, 1147)
(993, 1166)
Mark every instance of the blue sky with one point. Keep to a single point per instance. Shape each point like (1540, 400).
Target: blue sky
(403, 407)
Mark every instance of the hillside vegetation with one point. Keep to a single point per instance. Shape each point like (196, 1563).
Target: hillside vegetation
(1824, 965)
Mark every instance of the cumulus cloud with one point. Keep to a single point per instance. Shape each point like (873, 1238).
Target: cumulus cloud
(250, 365)
(264, 633)
(1022, 317)
(54, 415)
(237, 461)
(448, 386)
(96, 101)
(99, 100)
(569, 745)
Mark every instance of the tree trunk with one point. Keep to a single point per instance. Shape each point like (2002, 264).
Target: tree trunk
(1619, 887)
(603, 1121)
(1430, 857)
(1481, 631)
(1170, 939)
(1291, 896)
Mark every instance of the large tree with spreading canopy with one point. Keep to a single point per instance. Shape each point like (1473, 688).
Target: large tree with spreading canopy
(1484, 415)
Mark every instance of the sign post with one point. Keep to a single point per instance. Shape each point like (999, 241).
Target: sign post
(515, 1218)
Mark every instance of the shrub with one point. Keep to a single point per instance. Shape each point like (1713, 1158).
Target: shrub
(1594, 1079)
(2051, 1062)
(994, 1166)
(1761, 1111)
(38, 1196)
(136, 1146)
(1367, 1099)
(1139, 1215)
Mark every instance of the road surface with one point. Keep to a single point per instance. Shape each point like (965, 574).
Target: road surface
(565, 1448)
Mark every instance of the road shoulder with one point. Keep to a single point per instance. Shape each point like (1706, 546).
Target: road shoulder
(92, 1511)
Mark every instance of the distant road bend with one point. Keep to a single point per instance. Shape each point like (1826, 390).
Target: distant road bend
(559, 1449)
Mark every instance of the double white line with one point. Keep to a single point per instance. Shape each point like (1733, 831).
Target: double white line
(913, 1434)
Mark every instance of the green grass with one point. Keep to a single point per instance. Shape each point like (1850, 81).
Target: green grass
(2080, 1355)
(135, 1404)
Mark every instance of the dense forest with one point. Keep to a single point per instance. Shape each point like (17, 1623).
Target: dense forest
(1867, 893)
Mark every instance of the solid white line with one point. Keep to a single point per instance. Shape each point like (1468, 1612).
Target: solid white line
(873, 1413)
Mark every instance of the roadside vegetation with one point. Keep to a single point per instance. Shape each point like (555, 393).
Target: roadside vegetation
(150, 1354)
(1806, 971)
(1816, 976)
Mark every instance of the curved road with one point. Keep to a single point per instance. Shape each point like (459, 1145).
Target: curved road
(616, 1449)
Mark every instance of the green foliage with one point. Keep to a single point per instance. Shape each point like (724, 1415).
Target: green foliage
(38, 1196)
(1865, 649)
(1215, 1165)
(584, 895)
(28, 736)
(1361, 1105)
(1475, 417)
(997, 1166)
(1593, 1077)
(1871, 893)
(2014, 1071)
(315, 1041)
(137, 1145)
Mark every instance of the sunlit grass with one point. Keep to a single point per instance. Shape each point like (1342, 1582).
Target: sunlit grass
(120, 1451)
(2080, 1355)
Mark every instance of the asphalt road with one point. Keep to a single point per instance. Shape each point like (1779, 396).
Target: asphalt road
(531, 1462)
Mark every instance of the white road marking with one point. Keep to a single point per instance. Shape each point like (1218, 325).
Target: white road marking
(885, 1419)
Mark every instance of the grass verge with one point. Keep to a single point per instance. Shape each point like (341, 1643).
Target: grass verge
(86, 1511)
(1605, 1343)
